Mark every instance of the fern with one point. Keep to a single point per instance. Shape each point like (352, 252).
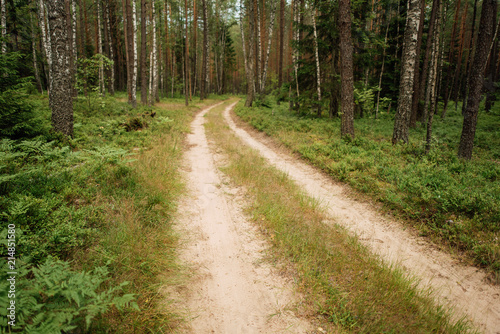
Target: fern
(54, 299)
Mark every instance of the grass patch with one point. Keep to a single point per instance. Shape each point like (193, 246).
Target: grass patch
(348, 288)
(455, 202)
(99, 204)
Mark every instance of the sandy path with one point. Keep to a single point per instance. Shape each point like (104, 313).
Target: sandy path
(233, 290)
(464, 287)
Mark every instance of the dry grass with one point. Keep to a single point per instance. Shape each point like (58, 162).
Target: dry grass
(348, 288)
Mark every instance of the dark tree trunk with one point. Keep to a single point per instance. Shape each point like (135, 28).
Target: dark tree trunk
(60, 97)
(186, 65)
(347, 80)
(486, 31)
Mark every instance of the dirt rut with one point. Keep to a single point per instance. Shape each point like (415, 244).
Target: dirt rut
(463, 287)
(232, 290)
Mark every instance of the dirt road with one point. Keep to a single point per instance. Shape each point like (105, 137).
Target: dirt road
(232, 291)
(464, 287)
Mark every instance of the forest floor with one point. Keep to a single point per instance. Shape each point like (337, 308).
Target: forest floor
(233, 289)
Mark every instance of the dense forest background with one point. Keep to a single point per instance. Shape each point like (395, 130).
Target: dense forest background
(350, 59)
(386, 95)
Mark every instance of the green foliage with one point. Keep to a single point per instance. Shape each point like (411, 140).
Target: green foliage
(87, 77)
(52, 298)
(17, 118)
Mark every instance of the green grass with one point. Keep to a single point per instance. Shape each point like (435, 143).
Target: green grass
(456, 202)
(102, 198)
(345, 287)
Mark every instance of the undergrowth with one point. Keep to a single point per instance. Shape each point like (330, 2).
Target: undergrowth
(454, 201)
(92, 217)
(349, 289)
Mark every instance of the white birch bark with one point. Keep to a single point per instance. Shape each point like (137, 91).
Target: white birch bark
(381, 71)
(134, 73)
(269, 38)
(401, 122)
(3, 23)
(318, 72)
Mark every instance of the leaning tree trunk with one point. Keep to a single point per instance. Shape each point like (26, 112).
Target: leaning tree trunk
(60, 97)
(401, 122)
(346, 74)
(486, 31)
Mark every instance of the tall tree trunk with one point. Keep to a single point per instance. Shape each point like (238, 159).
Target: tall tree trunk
(425, 68)
(186, 62)
(296, 34)
(144, 81)
(281, 46)
(204, 60)
(416, 81)
(258, 51)
(486, 31)
(99, 49)
(35, 61)
(195, 47)
(60, 97)
(111, 86)
(3, 23)
(318, 71)
(45, 41)
(82, 30)
(270, 36)
(432, 81)
(74, 54)
(250, 60)
(382, 71)
(346, 74)
(402, 120)
(468, 68)
(154, 61)
(135, 60)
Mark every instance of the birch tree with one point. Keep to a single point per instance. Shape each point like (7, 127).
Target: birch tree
(401, 122)
(270, 36)
(204, 60)
(316, 56)
(60, 96)
(144, 82)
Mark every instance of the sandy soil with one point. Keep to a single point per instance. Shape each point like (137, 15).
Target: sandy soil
(464, 287)
(232, 290)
